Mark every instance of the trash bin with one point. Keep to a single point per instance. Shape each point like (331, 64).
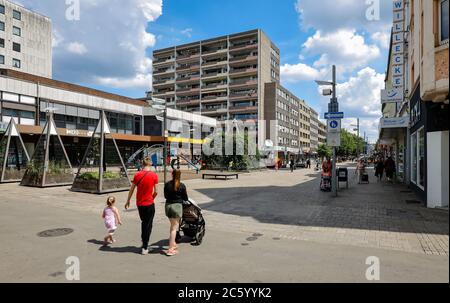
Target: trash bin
(342, 176)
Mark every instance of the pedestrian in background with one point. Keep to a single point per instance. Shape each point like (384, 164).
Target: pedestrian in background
(389, 168)
(292, 164)
(379, 169)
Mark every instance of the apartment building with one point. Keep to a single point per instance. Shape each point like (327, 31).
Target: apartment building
(314, 131)
(415, 126)
(282, 112)
(25, 40)
(322, 133)
(223, 77)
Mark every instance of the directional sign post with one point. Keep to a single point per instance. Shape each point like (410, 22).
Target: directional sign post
(339, 116)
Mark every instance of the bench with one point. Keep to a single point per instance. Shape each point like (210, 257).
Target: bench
(217, 176)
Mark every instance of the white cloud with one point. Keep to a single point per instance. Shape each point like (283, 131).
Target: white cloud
(330, 15)
(359, 97)
(300, 72)
(345, 48)
(383, 38)
(115, 34)
(187, 32)
(77, 48)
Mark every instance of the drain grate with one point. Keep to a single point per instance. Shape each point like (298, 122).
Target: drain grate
(58, 232)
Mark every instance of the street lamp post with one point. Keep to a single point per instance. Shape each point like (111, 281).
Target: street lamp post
(160, 104)
(333, 107)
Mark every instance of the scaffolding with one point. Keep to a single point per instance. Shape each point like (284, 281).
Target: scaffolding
(13, 155)
(102, 169)
(50, 165)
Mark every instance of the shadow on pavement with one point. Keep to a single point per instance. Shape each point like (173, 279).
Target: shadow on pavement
(374, 206)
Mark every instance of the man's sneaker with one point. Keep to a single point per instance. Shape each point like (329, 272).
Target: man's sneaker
(144, 252)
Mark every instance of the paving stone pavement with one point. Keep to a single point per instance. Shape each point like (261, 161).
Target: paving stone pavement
(284, 205)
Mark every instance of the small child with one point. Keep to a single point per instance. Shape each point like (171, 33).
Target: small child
(112, 217)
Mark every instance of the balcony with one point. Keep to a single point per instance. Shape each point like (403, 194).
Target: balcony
(188, 67)
(214, 86)
(244, 46)
(243, 71)
(239, 59)
(218, 62)
(164, 71)
(163, 82)
(216, 110)
(214, 75)
(163, 61)
(188, 90)
(214, 99)
(188, 79)
(239, 83)
(163, 93)
(243, 109)
(250, 96)
(187, 102)
(214, 51)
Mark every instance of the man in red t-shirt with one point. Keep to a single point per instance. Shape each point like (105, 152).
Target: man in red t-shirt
(146, 182)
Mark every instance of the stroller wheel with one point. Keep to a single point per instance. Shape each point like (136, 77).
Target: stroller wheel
(199, 237)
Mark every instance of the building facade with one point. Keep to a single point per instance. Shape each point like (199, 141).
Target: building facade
(223, 77)
(25, 40)
(314, 131)
(282, 112)
(415, 126)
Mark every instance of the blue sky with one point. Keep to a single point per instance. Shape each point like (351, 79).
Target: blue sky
(110, 46)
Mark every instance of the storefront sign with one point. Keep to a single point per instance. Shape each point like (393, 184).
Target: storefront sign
(398, 47)
(78, 133)
(398, 122)
(391, 95)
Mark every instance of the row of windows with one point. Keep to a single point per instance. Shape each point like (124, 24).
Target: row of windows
(17, 31)
(16, 14)
(15, 62)
(15, 46)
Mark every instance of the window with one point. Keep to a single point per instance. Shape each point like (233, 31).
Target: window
(2, 42)
(2, 26)
(17, 15)
(16, 47)
(17, 31)
(418, 158)
(2, 9)
(16, 63)
(2, 59)
(443, 20)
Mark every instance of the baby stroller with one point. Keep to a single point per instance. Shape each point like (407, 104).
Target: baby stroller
(325, 183)
(192, 224)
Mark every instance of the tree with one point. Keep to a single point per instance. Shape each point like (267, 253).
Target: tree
(323, 151)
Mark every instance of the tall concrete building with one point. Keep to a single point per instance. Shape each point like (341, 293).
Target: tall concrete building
(25, 40)
(282, 112)
(314, 131)
(223, 78)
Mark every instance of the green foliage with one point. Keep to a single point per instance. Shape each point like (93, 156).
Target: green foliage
(324, 151)
(351, 145)
(95, 175)
(234, 161)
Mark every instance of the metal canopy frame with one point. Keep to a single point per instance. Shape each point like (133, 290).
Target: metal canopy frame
(47, 134)
(11, 132)
(103, 123)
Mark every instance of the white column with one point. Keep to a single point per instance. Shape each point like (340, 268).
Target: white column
(437, 169)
